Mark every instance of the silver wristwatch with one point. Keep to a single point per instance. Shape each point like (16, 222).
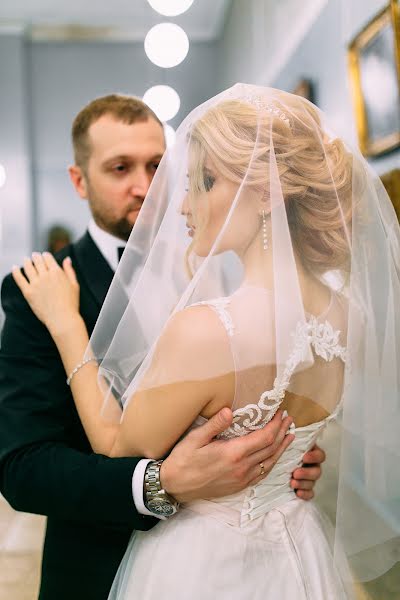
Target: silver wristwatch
(156, 499)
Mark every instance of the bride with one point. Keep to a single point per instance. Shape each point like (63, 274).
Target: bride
(262, 275)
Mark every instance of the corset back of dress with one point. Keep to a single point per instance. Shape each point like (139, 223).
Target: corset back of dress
(312, 395)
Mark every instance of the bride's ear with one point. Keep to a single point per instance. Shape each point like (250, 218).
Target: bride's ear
(263, 203)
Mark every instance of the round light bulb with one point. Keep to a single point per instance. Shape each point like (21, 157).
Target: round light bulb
(170, 8)
(166, 45)
(3, 176)
(164, 100)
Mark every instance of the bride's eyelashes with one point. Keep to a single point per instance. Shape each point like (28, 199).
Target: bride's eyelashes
(209, 181)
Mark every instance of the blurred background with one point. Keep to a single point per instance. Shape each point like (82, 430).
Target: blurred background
(57, 55)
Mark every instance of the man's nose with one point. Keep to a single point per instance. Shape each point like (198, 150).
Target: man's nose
(140, 182)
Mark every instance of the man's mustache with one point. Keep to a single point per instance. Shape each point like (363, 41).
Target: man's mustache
(135, 205)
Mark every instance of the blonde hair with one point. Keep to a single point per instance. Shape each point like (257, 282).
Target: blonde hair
(315, 173)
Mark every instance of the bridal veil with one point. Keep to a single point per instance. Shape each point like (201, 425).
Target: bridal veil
(319, 225)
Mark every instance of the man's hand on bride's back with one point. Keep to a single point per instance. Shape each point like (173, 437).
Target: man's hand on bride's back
(305, 477)
(202, 467)
(51, 291)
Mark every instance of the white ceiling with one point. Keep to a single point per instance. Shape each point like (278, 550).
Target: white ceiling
(106, 19)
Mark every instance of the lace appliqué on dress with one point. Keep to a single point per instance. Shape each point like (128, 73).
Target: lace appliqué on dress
(325, 342)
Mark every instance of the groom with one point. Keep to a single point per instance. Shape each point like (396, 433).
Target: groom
(93, 502)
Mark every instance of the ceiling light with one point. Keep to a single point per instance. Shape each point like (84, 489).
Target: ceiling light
(164, 100)
(170, 8)
(166, 45)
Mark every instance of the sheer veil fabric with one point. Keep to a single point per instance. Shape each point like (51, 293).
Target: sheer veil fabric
(260, 208)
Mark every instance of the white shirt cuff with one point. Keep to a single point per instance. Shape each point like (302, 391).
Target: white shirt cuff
(137, 488)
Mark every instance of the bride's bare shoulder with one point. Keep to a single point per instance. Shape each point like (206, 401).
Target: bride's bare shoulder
(198, 323)
(196, 333)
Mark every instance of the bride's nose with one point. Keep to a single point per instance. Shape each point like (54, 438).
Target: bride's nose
(185, 207)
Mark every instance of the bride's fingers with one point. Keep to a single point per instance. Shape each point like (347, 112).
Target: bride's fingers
(39, 263)
(50, 261)
(69, 270)
(20, 280)
(30, 270)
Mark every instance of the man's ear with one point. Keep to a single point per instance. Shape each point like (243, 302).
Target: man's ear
(78, 180)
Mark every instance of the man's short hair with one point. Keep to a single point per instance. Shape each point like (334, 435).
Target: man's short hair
(127, 109)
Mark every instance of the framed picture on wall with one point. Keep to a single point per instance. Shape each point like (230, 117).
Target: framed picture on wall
(374, 66)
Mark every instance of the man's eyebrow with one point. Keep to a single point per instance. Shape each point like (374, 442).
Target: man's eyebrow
(119, 157)
(127, 158)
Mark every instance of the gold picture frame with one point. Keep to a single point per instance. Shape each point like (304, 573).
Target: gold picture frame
(395, 8)
(391, 181)
(374, 67)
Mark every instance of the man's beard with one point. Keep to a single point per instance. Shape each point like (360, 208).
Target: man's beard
(121, 229)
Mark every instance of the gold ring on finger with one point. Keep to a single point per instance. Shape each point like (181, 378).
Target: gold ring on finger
(262, 472)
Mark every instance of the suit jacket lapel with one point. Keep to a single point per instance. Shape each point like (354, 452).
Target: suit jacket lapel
(94, 268)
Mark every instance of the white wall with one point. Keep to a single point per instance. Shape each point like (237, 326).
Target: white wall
(260, 35)
(338, 23)
(279, 43)
(16, 199)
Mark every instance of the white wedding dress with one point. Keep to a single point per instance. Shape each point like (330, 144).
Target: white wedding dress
(262, 543)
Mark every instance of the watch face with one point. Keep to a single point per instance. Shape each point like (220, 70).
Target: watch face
(160, 507)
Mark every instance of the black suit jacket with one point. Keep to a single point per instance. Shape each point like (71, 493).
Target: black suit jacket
(46, 462)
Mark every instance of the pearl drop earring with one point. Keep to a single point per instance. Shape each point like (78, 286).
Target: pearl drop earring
(264, 230)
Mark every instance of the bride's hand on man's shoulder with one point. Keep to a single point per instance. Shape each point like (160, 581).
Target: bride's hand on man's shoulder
(51, 291)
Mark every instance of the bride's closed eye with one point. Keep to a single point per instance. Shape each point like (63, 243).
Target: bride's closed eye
(209, 181)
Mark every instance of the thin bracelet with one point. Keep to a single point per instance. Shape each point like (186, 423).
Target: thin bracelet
(79, 366)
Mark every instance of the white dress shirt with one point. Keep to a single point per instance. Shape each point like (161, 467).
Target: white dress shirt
(108, 245)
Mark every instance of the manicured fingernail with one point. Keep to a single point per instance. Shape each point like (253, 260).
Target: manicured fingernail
(68, 260)
(34, 254)
(14, 267)
(284, 414)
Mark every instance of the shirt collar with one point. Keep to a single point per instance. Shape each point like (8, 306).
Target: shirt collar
(107, 243)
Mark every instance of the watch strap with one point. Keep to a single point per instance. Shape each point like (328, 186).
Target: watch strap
(155, 494)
